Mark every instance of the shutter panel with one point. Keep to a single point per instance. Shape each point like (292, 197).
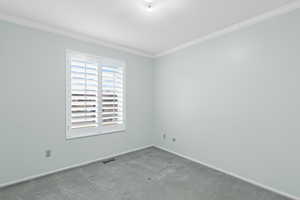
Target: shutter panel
(84, 93)
(112, 95)
(95, 95)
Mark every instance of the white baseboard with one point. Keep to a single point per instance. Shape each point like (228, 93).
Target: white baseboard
(28, 178)
(232, 174)
(144, 147)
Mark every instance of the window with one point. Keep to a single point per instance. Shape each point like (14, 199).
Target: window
(112, 95)
(95, 95)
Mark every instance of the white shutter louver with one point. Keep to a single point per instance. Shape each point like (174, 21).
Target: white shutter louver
(112, 95)
(84, 93)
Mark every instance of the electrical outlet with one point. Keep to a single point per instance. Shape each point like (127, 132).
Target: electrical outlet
(48, 153)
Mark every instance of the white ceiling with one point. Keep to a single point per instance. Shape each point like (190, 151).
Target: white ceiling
(127, 23)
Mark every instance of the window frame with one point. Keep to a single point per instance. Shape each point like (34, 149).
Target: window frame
(100, 129)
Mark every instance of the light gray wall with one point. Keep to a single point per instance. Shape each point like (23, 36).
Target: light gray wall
(32, 104)
(233, 102)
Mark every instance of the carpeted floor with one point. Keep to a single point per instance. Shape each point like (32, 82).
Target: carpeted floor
(150, 174)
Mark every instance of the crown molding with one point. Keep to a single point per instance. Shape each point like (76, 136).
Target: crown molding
(260, 18)
(74, 35)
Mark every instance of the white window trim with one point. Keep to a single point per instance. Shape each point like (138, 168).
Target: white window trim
(100, 130)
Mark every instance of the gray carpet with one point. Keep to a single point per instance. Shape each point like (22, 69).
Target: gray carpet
(149, 174)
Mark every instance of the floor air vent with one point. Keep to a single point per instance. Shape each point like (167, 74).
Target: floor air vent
(108, 160)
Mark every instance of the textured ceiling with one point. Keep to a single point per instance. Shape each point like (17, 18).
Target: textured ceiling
(127, 23)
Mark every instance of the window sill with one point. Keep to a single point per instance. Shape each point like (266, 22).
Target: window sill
(71, 137)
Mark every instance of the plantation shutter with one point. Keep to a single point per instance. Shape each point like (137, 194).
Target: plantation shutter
(112, 94)
(94, 95)
(84, 93)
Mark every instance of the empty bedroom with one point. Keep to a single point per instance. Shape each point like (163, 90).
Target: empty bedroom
(150, 100)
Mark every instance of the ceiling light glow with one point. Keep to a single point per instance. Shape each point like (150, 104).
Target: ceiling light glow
(149, 5)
